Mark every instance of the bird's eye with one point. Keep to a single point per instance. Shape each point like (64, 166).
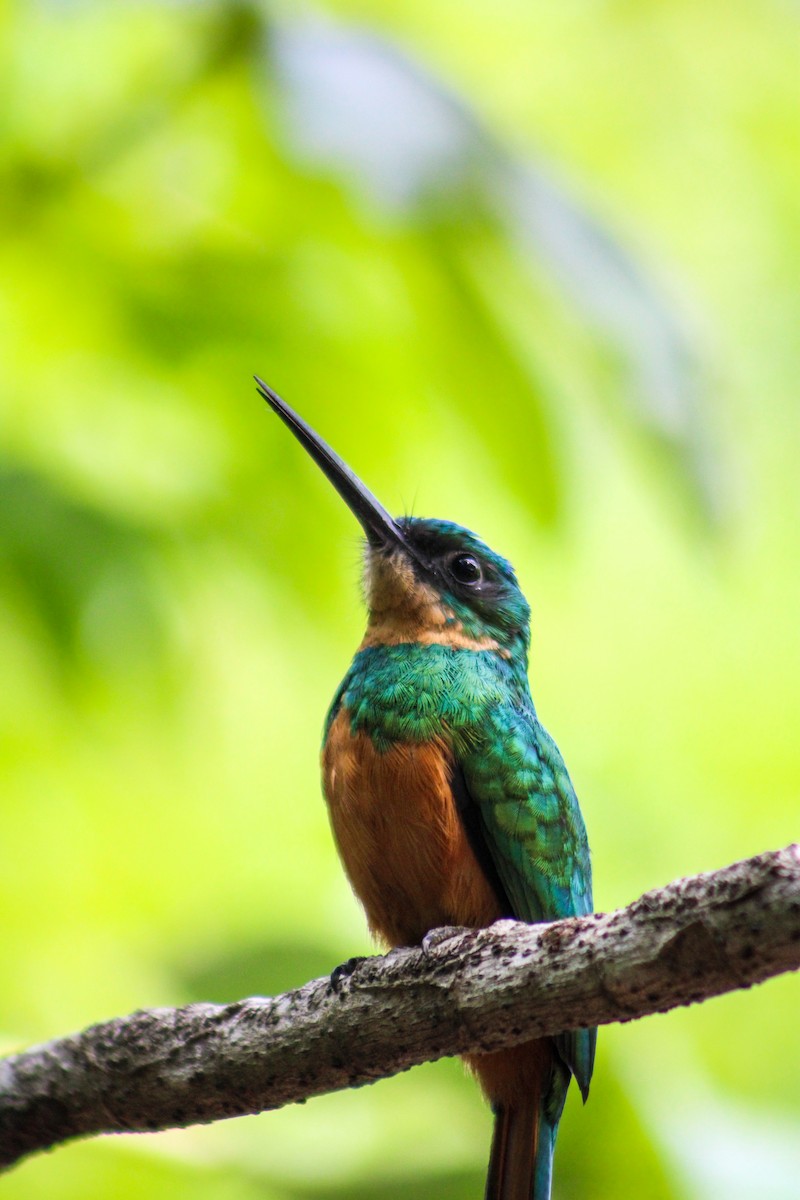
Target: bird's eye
(465, 568)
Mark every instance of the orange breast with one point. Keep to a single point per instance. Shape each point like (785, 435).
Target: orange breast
(400, 837)
(407, 856)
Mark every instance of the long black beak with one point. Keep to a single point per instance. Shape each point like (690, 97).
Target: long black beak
(379, 527)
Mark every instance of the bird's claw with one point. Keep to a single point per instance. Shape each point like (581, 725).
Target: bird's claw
(344, 971)
(435, 937)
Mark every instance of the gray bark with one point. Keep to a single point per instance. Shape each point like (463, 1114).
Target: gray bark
(463, 990)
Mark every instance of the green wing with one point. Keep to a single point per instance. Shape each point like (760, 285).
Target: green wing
(533, 832)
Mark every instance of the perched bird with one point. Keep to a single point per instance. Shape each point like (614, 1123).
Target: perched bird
(449, 802)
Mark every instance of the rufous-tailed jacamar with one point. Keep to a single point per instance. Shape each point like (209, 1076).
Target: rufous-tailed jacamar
(449, 802)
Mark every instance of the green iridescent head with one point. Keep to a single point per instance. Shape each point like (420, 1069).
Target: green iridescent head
(425, 580)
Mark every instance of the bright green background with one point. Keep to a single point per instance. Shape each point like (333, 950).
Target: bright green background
(179, 588)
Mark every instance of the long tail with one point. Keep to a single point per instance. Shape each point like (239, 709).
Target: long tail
(527, 1087)
(521, 1158)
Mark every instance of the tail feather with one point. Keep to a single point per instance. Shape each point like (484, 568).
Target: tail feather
(528, 1086)
(521, 1158)
(543, 1165)
(524, 1139)
(513, 1153)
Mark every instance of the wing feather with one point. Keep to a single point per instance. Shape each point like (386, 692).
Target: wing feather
(522, 816)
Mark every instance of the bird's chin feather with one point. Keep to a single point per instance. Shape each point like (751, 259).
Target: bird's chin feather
(392, 586)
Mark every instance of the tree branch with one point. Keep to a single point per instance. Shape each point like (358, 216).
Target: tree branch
(464, 990)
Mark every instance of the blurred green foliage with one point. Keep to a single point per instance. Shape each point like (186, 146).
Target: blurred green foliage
(529, 266)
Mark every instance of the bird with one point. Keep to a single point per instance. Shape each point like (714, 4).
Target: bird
(449, 803)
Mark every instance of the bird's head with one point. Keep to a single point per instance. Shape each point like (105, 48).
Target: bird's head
(443, 583)
(425, 580)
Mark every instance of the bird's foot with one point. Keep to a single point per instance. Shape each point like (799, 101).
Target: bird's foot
(435, 937)
(344, 971)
